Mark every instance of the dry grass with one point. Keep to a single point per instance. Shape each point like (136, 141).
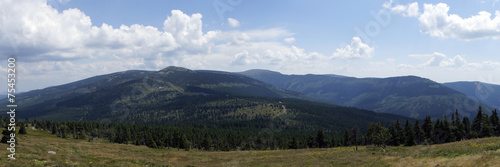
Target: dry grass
(32, 151)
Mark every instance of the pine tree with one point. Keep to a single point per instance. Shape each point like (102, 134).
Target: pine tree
(354, 136)
(419, 133)
(393, 140)
(477, 123)
(438, 135)
(22, 129)
(458, 128)
(448, 130)
(399, 133)
(467, 128)
(320, 139)
(346, 137)
(486, 131)
(409, 134)
(494, 121)
(6, 135)
(428, 128)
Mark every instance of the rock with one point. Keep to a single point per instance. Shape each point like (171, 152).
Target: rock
(52, 152)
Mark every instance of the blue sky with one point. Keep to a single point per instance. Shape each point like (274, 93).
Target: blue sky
(61, 41)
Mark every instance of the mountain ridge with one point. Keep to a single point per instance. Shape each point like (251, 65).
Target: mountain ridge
(200, 98)
(410, 96)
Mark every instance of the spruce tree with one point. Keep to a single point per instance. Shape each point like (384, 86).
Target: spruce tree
(458, 128)
(448, 131)
(354, 136)
(467, 128)
(438, 135)
(399, 133)
(428, 128)
(409, 134)
(346, 137)
(486, 131)
(22, 129)
(477, 123)
(394, 136)
(494, 121)
(6, 135)
(419, 133)
(320, 139)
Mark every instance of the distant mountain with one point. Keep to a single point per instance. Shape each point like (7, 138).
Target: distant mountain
(179, 96)
(408, 96)
(488, 94)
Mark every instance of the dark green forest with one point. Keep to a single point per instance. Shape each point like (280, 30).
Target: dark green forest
(408, 133)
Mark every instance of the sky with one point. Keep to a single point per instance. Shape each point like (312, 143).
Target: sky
(62, 41)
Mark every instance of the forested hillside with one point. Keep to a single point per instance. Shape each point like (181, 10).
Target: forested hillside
(409, 96)
(177, 96)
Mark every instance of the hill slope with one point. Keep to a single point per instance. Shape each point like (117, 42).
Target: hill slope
(179, 96)
(409, 96)
(488, 94)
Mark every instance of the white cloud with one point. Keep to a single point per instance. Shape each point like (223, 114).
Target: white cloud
(233, 22)
(187, 32)
(437, 22)
(409, 10)
(289, 40)
(441, 60)
(242, 58)
(267, 54)
(38, 32)
(60, 47)
(356, 50)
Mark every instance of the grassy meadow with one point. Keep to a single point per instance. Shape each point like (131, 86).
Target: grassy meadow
(32, 150)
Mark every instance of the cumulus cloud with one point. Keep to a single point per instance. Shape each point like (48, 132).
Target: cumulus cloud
(440, 60)
(270, 54)
(356, 50)
(59, 47)
(233, 22)
(409, 10)
(37, 32)
(187, 31)
(437, 22)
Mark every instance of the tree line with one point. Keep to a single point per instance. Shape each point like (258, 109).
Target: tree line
(434, 132)
(428, 131)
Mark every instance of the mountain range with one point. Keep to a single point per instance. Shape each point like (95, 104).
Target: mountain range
(183, 97)
(251, 99)
(480, 92)
(409, 96)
